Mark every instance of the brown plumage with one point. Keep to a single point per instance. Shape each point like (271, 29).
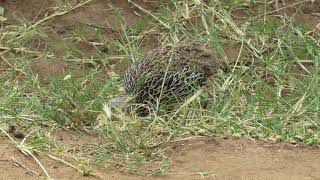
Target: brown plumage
(170, 74)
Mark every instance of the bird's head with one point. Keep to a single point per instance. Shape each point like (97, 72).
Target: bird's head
(125, 105)
(115, 103)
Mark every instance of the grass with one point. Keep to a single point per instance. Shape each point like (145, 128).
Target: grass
(271, 93)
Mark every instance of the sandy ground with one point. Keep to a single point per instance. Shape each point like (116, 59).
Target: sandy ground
(213, 158)
(195, 158)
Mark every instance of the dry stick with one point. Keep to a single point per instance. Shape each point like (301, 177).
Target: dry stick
(276, 10)
(38, 162)
(5, 60)
(60, 160)
(239, 33)
(57, 14)
(26, 151)
(192, 98)
(7, 49)
(97, 26)
(68, 164)
(315, 14)
(145, 11)
(40, 22)
(9, 64)
(15, 161)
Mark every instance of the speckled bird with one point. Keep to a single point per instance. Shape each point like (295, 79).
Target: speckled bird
(169, 74)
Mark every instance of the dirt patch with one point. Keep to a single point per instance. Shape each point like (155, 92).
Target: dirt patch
(107, 15)
(15, 165)
(200, 158)
(309, 16)
(245, 159)
(62, 31)
(55, 68)
(301, 13)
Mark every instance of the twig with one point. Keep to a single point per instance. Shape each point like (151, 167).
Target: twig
(9, 64)
(25, 150)
(15, 161)
(40, 22)
(68, 164)
(97, 26)
(18, 50)
(5, 60)
(192, 98)
(38, 162)
(57, 14)
(60, 160)
(276, 10)
(145, 11)
(315, 14)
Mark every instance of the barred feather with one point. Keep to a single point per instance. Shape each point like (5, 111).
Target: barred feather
(170, 74)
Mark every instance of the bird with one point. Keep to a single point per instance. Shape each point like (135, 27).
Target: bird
(168, 74)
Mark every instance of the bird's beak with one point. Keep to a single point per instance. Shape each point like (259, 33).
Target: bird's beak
(116, 102)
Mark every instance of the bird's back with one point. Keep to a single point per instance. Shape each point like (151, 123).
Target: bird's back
(169, 74)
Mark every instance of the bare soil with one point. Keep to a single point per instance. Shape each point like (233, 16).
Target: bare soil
(213, 158)
(100, 13)
(193, 158)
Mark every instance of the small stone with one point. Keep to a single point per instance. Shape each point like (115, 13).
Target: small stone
(310, 131)
(19, 134)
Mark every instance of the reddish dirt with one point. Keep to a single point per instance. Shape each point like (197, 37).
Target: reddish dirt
(222, 159)
(100, 13)
(245, 159)
(214, 158)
